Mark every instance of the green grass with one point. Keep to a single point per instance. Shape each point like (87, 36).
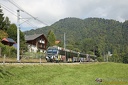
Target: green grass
(83, 74)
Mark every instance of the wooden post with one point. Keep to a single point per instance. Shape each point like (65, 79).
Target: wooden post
(4, 59)
(40, 60)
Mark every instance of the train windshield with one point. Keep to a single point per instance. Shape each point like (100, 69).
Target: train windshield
(52, 51)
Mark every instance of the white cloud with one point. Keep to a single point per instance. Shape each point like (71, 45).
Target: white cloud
(50, 11)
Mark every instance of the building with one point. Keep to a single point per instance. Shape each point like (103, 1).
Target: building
(8, 41)
(57, 42)
(36, 42)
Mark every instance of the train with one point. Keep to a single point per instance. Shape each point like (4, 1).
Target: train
(59, 54)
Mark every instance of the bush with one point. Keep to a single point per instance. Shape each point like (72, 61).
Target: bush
(125, 58)
(9, 51)
(34, 55)
(100, 59)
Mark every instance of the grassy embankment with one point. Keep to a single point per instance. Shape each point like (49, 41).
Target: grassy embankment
(82, 74)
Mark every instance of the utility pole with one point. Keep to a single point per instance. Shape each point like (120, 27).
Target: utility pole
(65, 47)
(64, 41)
(18, 35)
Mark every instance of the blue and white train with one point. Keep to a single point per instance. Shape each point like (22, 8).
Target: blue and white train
(58, 54)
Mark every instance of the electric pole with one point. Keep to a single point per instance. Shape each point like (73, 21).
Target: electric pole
(64, 41)
(65, 47)
(18, 35)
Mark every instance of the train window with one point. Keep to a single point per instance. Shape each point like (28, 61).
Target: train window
(54, 51)
(61, 52)
(49, 51)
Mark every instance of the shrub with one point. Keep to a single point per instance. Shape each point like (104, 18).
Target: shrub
(100, 59)
(125, 58)
(9, 51)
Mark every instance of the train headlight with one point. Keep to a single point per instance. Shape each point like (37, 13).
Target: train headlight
(52, 57)
(47, 57)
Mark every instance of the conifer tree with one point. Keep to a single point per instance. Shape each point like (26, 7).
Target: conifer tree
(4, 22)
(51, 38)
(1, 19)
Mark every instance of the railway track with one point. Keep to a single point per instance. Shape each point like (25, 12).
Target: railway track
(39, 63)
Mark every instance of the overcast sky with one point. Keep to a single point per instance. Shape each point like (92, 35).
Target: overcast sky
(50, 11)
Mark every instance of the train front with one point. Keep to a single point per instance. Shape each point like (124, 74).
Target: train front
(51, 54)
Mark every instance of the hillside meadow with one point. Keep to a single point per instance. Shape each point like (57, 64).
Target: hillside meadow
(64, 74)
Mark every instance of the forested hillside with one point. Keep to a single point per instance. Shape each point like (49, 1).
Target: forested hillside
(92, 34)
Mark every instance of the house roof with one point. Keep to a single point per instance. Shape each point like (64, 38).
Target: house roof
(8, 40)
(57, 42)
(32, 37)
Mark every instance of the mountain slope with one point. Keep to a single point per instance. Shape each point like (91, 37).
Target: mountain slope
(89, 34)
